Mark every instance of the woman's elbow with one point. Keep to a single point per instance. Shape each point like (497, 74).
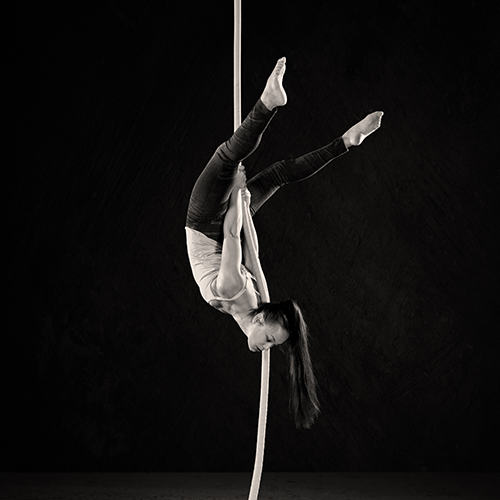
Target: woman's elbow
(232, 228)
(233, 232)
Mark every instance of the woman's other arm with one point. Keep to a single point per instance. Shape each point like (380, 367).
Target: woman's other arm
(251, 248)
(230, 279)
(248, 223)
(250, 242)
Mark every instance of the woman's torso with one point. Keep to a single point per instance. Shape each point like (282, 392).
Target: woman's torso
(205, 259)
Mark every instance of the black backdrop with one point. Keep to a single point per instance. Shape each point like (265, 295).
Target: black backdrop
(112, 360)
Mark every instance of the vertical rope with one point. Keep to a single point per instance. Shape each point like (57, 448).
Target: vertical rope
(237, 64)
(259, 275)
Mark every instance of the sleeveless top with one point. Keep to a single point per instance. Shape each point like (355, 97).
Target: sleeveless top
(205, 255)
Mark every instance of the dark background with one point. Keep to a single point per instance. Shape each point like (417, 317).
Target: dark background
(113, 362)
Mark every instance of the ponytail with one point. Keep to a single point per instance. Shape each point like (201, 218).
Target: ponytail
(304, 405)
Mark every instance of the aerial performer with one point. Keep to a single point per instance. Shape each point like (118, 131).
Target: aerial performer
(223, 271)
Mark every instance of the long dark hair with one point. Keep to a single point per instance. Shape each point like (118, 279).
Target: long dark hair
(304, 405)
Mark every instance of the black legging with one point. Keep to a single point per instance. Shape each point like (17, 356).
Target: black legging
(210, 196)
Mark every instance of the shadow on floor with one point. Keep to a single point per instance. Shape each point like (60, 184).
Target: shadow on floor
(274, 486)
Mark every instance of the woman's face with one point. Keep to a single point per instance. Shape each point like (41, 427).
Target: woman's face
(262, 336)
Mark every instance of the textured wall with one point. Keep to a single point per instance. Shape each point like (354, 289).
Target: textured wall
(112, 359)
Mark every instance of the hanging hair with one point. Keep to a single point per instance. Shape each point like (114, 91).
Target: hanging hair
(304, 405)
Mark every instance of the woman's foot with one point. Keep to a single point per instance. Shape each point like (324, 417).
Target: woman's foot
(357, 134)
(274, 94)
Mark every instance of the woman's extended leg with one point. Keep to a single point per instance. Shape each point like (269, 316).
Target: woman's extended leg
(267, 182)
(210, 195)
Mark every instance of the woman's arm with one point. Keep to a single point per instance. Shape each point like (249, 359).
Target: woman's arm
(250, 242)
(248, 223)
(251, 249)
(230, 279)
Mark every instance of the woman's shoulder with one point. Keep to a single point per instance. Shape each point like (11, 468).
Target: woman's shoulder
(229, 286)
(237, 299)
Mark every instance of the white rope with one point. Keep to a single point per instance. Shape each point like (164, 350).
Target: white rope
(259, 275)
(237, 64)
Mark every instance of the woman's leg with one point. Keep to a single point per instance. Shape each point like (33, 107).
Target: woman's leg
(267, 182)
(211, 192)
(210, 196)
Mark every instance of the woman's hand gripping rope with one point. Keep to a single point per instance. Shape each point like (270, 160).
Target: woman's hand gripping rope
(246, 197)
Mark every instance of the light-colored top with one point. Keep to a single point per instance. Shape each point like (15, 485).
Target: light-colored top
(205, 256)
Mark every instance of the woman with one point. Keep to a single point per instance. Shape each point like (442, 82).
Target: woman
(213, 231)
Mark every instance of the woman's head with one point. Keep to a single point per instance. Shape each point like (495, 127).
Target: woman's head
(282, 323)
(265, 332)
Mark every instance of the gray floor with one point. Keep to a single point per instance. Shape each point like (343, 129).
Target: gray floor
(274, 486)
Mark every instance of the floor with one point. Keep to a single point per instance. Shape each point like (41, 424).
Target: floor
(274, 486)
